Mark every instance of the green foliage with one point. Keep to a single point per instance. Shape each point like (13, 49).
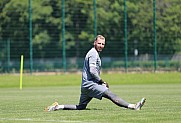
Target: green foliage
(79, 22)
(173, 65)
(168, 21)
(13, 15)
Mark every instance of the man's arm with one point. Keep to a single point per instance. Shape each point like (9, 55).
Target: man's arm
(94, 72)
(95, 75)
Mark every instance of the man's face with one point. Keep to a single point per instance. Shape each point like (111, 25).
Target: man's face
(99, 44)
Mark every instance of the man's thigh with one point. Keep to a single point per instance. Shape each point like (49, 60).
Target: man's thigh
(84, 99)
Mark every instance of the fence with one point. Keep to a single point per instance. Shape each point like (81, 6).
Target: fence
(54, 35)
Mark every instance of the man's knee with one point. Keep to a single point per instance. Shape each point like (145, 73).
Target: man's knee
(109, 94)
(81, 107)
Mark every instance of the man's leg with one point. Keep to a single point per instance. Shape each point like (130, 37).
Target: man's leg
(84, 100)
(70, 107)
(55, 106)
(118, 101)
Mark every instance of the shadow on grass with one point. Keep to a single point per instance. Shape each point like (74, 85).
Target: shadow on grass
(92, 109)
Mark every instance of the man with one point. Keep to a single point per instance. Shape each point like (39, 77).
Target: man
(92, 84)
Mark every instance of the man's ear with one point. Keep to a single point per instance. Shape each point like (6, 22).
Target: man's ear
(94, 43)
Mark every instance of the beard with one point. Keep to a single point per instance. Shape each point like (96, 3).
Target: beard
(98, 49)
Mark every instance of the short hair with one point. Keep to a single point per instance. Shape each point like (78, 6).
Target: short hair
(99, 36)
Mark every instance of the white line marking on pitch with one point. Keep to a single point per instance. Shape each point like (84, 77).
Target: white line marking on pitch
(29, 119)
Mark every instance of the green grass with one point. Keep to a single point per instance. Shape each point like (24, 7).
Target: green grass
(9, 80)
(162, 106)
(162, 91)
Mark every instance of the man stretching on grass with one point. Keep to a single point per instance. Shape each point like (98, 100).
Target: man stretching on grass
(92, 84)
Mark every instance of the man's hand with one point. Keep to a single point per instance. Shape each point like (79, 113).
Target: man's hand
(105, 84)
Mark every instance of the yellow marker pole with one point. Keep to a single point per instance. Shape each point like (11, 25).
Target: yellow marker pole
(21, 73)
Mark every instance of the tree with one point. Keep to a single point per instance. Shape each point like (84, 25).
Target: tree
(79, 24)
(14, 25)
(169, 29)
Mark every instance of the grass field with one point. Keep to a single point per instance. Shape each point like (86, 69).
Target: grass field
(162, 91)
